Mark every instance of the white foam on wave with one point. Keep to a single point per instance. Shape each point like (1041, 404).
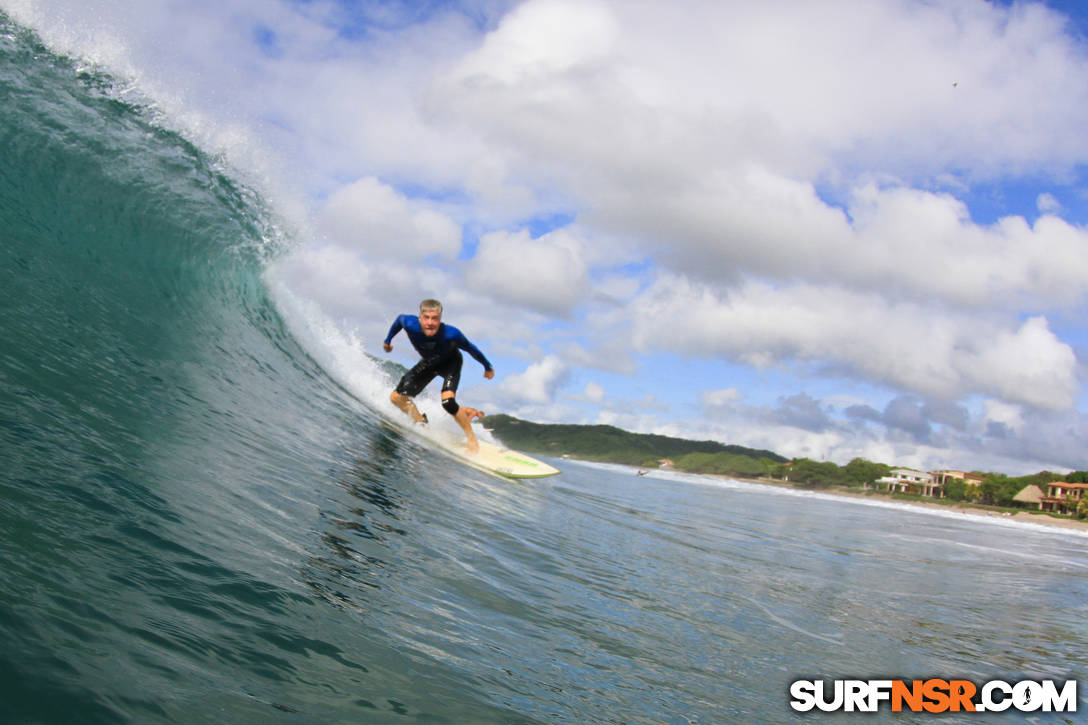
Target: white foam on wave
(340, 353)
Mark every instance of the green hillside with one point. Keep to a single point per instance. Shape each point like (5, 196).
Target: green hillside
(607, 443)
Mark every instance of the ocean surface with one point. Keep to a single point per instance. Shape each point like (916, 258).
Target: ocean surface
(204, 520)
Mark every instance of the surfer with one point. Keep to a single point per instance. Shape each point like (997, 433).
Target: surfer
(439, 345)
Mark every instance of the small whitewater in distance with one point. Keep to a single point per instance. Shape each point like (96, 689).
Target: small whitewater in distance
(204, 520)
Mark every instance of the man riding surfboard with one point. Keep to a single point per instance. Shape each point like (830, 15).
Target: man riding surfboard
(439, 346)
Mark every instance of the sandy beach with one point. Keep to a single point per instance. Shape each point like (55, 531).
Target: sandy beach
(1034, 518)
(1042, 519)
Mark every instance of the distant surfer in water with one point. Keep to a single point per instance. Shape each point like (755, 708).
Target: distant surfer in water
(439, 345)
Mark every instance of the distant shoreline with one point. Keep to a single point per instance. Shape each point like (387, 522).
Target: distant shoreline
(963, 507)
(1043, 519)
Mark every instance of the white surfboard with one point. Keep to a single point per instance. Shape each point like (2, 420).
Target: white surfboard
(491, 458)
(497, 459)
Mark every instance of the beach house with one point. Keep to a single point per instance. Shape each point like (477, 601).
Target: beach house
(1062, 497)
(907, 480)
(943, 477)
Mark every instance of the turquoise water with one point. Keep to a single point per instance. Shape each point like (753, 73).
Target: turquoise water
(201, 525)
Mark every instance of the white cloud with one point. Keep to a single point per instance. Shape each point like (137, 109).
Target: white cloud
(1047, 203)
(904, 345)
(720, 398)
(714, 170)
(615, 289)
(924, 245)
(547, 274)
(636, 98)
(1029, 365)
(998, 436)
(1010, 416)
(333, 276)
(594, 393)
(364, 294)
(897, 241)
(680, 91)
(539, 383)
(538, 41)
(373, 218)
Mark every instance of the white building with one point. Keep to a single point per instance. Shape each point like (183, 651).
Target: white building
(904, 479)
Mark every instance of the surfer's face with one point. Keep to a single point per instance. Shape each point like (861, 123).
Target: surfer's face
(429, 320)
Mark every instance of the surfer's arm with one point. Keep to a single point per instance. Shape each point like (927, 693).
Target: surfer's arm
(464, 344)
(398, 325)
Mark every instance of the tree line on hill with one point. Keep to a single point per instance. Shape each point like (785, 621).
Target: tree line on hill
(609, 444)
(605, 443)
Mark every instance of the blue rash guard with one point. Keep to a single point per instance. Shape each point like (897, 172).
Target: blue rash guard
(444, 343)
(441, 356)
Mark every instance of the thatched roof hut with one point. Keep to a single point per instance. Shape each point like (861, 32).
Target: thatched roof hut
(1031, 495)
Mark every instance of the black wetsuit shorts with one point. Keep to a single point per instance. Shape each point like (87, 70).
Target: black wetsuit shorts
(447, 367)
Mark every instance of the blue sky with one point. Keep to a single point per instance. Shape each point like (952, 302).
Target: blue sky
(829, 229)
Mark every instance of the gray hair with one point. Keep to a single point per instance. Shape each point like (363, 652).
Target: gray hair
(430, 305)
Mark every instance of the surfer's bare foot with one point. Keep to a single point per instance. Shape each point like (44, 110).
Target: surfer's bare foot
(464, 416)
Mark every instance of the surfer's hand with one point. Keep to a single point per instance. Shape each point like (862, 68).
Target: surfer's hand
(387, 347)
(472, 412)
(489, 374)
